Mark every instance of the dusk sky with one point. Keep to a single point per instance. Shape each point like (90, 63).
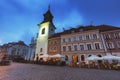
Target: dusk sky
(19, 18)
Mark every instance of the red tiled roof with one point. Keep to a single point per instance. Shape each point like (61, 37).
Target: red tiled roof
(101, 28)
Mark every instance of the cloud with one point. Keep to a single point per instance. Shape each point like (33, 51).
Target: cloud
(19, 18)
(69, 20)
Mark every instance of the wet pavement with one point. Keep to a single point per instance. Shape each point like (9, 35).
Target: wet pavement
(21, 71)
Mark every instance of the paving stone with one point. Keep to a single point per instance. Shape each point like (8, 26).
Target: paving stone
(20, 71)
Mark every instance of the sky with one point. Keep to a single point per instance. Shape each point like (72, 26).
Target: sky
(19, 18)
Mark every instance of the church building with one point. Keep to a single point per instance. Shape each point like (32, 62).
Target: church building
(46, 29)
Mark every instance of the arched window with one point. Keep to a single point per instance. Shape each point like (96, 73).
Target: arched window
(82, 58)
(43, 31)
(75, 58)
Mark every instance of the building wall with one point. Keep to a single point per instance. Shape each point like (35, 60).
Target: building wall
(54, 46)
(18, 50)
(76, 42)
(111, 41)
(14, 49)
(31, 51)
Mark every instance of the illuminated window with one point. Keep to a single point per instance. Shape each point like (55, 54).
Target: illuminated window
(43, 31)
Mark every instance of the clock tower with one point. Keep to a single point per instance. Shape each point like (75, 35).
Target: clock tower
(46, 29)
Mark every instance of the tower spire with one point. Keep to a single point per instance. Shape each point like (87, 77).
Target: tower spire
(48, 15)
(49, 7)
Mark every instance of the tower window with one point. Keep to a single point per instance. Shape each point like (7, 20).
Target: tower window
(41, 50)
(43, 31)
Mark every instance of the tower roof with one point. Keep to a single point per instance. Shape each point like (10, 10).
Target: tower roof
(48, 15)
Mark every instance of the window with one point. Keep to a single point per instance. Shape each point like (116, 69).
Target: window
(118, 44)
(80, 38)
(72, 31)
(66, 57)
(43, 31)
(110, 45)
(51, 42)
(75, 47)
(69, 39)
(55, 42)
(63, 40)
(69, 48)
(116, 35)
(64, 48)
(40, 49)
(74, 38)
(81, 30)
(97, 46)
(81, 47)
(87, 37)
(89, 46)
(82, 58)
(107, 36)
(55, 48)
(94, 36)
(52, 29)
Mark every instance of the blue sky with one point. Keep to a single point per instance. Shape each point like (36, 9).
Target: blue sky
(19, 18)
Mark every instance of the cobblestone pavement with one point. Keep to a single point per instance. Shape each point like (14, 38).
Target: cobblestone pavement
(20, 71)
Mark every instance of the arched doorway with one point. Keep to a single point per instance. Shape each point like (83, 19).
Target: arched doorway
(66, 57)
(82, 58)
(75, 58)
